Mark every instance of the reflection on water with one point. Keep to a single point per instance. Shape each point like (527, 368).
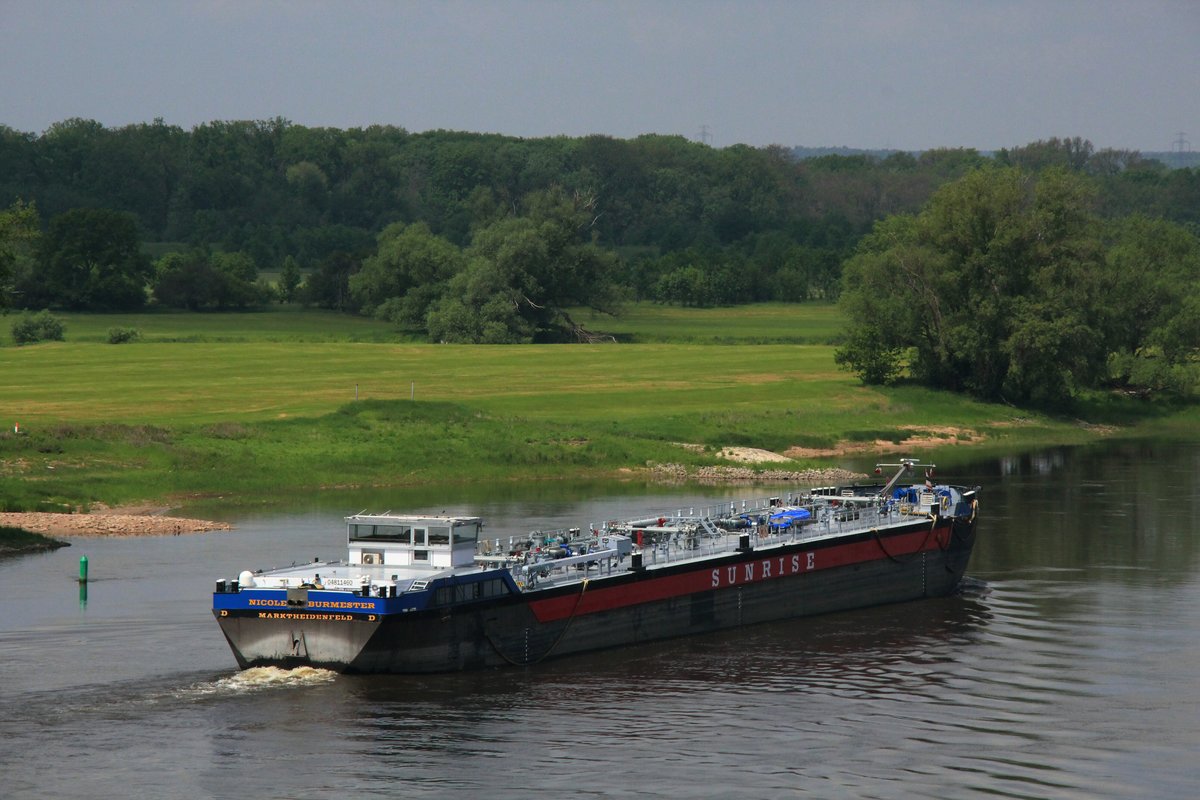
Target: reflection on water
(553, 498)
(1069, 666)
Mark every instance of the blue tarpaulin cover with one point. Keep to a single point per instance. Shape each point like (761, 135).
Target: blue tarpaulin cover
(789, 515)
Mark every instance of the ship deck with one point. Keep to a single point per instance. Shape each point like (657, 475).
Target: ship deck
(545, 559)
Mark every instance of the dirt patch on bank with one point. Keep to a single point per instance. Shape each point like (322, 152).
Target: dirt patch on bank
(922, 437)
(750, 455)
(104, 521)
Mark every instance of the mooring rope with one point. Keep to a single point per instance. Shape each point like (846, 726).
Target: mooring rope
(919, 550)
(554, 644)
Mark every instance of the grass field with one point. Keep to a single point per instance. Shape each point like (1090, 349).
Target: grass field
(764, 323)
(287, 324)
(255, 404)
(174, 383)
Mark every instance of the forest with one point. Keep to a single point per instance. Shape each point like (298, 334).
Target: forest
(469, 237)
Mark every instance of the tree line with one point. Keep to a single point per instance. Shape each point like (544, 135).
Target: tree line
(272, 189)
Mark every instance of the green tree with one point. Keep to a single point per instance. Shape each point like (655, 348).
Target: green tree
(884, 283)
(289, 280)
(873, 354)
(310, 184)
(329, 285)
(523, 273)
(406, 275)
(1071, 153)
(995, 288)
(197, 281)
(686, 285)
(91, 259)
(185, 280)
(18, 231)
(239, 266)
(236, 287)
(314, 245)
(1154, 289)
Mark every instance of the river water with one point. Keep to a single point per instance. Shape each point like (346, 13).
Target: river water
(1068, 667)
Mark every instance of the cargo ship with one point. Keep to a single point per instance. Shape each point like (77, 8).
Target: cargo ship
(432, 593)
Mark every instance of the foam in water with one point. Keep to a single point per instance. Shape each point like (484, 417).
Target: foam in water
(259, 678)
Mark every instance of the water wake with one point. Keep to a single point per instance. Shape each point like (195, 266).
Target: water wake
(261, 678)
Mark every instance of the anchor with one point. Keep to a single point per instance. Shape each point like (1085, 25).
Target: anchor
(299, 646)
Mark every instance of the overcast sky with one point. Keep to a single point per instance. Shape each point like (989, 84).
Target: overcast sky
(908, 75)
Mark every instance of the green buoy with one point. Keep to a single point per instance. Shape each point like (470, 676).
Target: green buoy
(83, 566)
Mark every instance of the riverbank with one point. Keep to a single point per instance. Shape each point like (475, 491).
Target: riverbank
(108, 522)
(249, 420)
(16, 541)
(678, 473)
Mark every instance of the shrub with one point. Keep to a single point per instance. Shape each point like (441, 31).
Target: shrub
(24, 330)
(123, 335)
(39, 327)
(866, 354)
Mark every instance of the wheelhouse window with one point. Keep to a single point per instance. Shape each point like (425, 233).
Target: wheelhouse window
(439, 537)
(382, 533)
(464, 534)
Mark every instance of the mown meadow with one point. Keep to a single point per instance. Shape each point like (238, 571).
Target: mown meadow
(251, 405)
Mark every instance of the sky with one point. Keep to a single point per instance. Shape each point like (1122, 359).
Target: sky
(856, 73)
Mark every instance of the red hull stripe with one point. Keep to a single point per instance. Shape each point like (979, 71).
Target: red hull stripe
(708, 577)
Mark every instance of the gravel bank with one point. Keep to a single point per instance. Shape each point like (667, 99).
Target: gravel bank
(808, 477)
(108, 523)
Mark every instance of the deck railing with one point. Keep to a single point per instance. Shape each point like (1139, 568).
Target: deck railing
(693, 533)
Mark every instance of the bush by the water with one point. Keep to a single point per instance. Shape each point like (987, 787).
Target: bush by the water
(39, 327)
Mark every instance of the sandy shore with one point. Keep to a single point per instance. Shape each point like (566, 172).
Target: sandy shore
(140, 521)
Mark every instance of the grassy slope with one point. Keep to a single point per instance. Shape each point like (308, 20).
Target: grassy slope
(265, 403)
(663, 390)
